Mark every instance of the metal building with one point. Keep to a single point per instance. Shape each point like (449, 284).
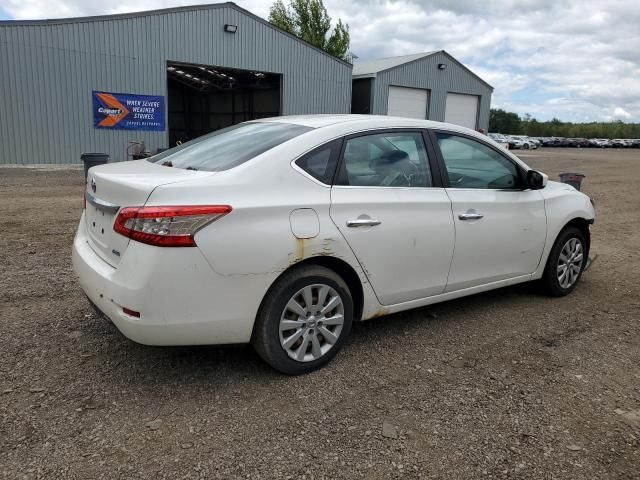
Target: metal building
(95, 84)
(431, 85)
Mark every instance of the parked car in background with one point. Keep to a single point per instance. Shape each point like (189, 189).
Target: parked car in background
(525, 142)
(550, 141)
(499, 139)
(580, 143)
(514, 143)
(589, 142)
(282, 232)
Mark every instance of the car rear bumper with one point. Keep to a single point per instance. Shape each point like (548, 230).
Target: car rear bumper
(181, 300)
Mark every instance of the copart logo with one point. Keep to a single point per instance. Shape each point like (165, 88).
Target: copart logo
(110, 111)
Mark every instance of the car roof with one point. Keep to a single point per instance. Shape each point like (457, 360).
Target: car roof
(314, 121)
(349, 123)
(346, 124)
(373, 121)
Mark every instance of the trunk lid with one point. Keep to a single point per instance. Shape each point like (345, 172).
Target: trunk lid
(124, 184)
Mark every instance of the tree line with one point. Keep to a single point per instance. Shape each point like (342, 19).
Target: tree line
(501, 121)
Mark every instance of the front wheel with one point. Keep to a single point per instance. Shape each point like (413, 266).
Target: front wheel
(565, 263)
(304, 320)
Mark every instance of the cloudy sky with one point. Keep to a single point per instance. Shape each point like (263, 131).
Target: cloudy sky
(577, 60)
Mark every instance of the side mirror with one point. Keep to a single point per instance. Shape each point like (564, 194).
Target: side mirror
(536, 180)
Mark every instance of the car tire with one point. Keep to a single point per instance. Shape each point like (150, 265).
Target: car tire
(561, 275)
(324, 288)
(526, 146)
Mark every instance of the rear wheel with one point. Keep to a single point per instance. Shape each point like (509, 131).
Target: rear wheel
(304, 320)
(565, 263)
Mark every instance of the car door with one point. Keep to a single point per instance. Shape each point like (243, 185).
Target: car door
(500, 224)
(394, 213)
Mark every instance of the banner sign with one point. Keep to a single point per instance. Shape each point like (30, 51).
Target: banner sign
(124, 111)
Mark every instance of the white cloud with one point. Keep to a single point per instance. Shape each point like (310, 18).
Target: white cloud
(573, 59)
(621, 113)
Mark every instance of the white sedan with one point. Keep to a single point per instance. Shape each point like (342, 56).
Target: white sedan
(282, 232)
(524, 142)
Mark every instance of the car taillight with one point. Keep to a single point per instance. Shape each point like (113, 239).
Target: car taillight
(167, 226)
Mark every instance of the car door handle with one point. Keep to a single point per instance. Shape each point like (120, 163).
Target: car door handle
(363, 222)
(470, 216)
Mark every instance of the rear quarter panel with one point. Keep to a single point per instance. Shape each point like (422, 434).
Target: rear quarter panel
(256, 238)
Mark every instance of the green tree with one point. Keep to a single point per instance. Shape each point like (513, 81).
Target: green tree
(534, 128)
(309, 20)
(501, 121)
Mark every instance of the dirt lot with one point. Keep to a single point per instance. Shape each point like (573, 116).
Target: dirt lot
(508, 384)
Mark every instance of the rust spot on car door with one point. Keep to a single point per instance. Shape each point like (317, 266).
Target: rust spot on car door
(381, 312)
(300, 248)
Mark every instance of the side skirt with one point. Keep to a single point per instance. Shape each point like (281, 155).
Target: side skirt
(443, 297)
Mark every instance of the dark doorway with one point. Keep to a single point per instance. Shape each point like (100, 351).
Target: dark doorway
(202, 99)
(361, 95)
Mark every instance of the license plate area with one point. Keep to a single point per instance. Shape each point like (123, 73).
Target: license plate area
(103, 239)
(98, 223)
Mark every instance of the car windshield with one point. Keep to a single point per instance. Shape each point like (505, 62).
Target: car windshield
(229, 147)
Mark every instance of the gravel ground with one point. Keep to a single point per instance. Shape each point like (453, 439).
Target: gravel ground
(507, 384)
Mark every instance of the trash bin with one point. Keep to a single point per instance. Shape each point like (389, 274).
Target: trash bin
(573, 179)
(93, 159)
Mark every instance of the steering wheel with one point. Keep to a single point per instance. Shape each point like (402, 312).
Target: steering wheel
(455, 179)
(400, 178)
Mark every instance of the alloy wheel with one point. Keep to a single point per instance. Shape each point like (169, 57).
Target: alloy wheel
(570, 262)
(311, 322)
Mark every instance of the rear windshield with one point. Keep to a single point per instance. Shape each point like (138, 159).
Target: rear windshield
(229, 147)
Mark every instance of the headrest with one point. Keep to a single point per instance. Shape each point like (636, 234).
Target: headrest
(389, 158)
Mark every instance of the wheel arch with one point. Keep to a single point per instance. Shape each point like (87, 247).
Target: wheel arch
(548, 277)
(341, 268)
(581, 224)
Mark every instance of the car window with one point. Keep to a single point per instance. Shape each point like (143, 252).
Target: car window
(471, 164)
(320, 163)
(397, 159)
(229, 147)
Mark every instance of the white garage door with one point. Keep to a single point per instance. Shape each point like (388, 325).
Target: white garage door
(407, 102)
(462, 110)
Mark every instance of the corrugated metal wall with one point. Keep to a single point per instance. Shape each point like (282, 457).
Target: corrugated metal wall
(48, 70)
(424, 73)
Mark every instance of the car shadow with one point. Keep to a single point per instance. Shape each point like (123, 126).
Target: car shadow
(128, 362)
(449, 311)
